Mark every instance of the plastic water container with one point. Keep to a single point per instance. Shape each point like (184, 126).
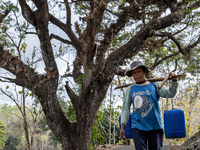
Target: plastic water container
(174, 123)
(128, 132)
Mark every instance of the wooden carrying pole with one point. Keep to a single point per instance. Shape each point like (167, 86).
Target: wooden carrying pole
(154, 80)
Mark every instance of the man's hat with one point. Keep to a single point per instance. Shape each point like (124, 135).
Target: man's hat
(134, 65)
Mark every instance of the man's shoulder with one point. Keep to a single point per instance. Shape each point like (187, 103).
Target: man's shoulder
(129, 87)
(156, 84)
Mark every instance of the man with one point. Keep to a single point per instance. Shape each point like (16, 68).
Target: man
(146, 121)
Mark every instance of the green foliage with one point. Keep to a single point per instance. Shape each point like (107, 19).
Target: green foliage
(15, 133)
(82, 8)
(68, 110)
(70, 113)
(53, 140)
(42, 124)
(7, 22)
(97, 137)
(79, 82)
(100, 132)
(2, 135)
(12, 142)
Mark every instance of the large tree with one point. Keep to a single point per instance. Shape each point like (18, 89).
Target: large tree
(140, 27)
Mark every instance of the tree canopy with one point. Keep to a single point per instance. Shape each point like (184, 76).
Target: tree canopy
(105, 35)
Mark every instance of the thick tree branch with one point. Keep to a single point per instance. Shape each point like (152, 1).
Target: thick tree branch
(71, 93)
(25, 75)
(41, 21)
(156, 63)
(27, 12)
(187, 50)
(74, 98)
(68, 13)
(41, 4)
(2, 16)
(109, 35)
(114, 28)
(78, 30)
(192, 45)
(93, 24)
(132, 46)
(169, 35)
(76, 43)
(77, 68)
(53, 36)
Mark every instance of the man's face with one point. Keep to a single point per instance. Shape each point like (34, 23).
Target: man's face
(138, 74)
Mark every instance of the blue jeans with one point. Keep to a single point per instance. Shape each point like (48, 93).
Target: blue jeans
(152, 139)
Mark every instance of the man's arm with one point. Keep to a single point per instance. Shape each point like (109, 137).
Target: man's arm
(167, 92)
(126, 107)
(125, 112)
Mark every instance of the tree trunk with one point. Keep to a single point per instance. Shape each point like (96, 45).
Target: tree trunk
(73, 136)
(25, 121)
(79, 142)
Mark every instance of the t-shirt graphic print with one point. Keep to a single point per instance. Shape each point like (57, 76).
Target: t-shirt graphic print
(142, 105)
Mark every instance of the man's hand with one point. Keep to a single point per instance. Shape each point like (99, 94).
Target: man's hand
(122, 132)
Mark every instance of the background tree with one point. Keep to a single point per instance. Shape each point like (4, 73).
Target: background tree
(107, 35)
(2, 135)
(13, 142)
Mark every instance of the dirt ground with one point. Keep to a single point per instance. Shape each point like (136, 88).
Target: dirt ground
(192, 143)
(125, 147)
(114, 147)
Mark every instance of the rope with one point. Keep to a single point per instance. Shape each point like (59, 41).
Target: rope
(170, 83)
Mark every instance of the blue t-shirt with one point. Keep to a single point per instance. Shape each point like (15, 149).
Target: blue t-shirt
(146, 111)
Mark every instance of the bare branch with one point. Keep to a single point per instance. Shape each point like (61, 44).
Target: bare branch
(68, 13)
(8, 95)
(25, 75)
(53, 36)
(27, 12)
(114, 28)
(67, 75)
(112, 12)
(71, 94)
(192, 45)
(111, 121)
(11, 80)
(76, 43)
(156, 63)
(74, 98)
(169, 35)
(31, 33)
(78, 30)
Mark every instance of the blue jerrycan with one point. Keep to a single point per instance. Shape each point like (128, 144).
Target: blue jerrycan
(128, 132)
(174, 123)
